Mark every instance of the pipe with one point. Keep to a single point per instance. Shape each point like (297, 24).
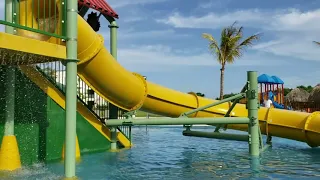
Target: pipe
(217, 135)
(10, 84)
(113, 50)
(9, 151)
(253, 105)
(240, 95)
(113, 145)
(177, 121)
(71, 88)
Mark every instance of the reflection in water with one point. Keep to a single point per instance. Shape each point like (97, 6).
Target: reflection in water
(163, 153)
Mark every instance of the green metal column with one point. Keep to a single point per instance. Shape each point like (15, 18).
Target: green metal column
(113, 131)
(253, 106)
(71, 88)
(113, 110)
(10, 84)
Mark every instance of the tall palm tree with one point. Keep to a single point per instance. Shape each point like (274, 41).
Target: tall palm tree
(317, 42)
(230, 47)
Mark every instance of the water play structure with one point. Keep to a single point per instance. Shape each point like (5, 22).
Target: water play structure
(42, 32)
(272, 87)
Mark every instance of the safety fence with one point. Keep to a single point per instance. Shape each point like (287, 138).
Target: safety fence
(55, 72)
(47, 17)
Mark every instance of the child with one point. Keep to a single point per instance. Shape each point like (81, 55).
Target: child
(267, 103)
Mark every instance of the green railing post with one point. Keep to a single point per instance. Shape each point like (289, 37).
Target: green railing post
(253, 106)
(113, 110)
(9, 151)
(113, 131)
(71, 88)
(10, 85)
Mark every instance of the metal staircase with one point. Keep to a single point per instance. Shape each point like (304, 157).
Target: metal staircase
(56, 74)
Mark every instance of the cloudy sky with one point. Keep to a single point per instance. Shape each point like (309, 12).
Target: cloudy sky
(161, 39)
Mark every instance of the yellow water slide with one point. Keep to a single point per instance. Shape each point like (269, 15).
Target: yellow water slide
(130, 91)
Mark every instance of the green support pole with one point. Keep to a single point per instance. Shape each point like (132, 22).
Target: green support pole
(113, 131)
(9, 151)
(177, 121)
(71, 89)
(253, 106)
(10, 72)
(113, 110)
(240, 95)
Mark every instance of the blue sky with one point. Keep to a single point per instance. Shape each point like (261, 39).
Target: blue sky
(161, 39)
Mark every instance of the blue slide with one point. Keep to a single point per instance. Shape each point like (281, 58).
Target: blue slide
(275, 104)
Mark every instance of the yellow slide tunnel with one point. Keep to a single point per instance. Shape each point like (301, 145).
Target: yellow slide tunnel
(130, 91)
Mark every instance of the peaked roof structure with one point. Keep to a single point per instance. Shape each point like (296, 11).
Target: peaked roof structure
(264, 78)
(101, 6)
(277, 80)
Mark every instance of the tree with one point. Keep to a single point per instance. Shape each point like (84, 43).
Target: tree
(317, 42)
(230, 47)
(287, 91)
(306, 88)
(200, 94)
(226, 96)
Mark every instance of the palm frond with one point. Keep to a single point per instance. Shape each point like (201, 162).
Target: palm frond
(213, 46)
(318, 43)
(250, 39)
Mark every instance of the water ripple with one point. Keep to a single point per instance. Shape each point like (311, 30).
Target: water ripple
(163, 153)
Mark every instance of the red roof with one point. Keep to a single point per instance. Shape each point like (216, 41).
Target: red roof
(99, 5)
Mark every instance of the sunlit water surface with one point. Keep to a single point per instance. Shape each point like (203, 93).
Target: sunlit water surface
(163, 153)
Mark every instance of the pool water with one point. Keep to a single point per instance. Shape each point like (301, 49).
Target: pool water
(163, 153)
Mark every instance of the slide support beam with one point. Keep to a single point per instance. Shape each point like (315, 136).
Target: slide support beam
(253, 106)
(243, 90)
(9, 151)
(71, 89)
(114, 52)
(177, 121)
(113, 131)
(238, 96)
(10, 76)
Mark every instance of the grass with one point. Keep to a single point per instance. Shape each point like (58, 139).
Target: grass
(144, 114)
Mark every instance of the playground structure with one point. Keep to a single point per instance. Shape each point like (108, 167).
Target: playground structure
(38, 33)
(271, 87)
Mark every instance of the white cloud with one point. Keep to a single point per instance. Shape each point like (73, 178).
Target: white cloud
(133, 19)
(123, 3)
(211, 4)
(133, 34)
(305, 79)
(280, 20)
(211, 20)
(156, 57)
(168, 33)
(291, 47)
(293, 30)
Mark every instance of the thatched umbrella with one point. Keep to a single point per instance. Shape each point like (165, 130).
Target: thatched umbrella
(297, 95)
(315, 95)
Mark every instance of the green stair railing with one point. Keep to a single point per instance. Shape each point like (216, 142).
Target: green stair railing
(56, 74)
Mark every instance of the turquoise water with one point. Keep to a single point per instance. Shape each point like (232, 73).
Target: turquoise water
(163, 153)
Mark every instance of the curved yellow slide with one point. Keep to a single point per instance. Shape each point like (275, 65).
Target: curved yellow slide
(130, 91)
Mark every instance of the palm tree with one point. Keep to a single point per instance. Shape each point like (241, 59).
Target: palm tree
(317, 42)
(230, 47)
